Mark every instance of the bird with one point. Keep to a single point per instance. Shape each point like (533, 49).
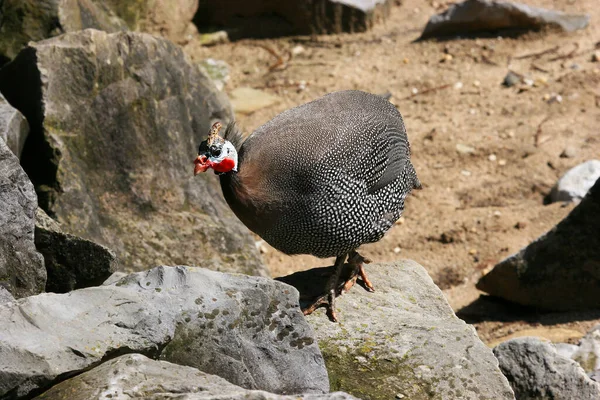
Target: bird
(321, 178)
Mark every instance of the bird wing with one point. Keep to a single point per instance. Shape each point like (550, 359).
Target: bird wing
(389, 157)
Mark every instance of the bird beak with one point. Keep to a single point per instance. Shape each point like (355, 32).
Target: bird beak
(200, 164)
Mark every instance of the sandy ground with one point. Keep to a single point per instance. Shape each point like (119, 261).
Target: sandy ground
(476, 208)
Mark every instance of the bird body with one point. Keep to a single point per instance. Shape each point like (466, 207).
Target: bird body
(321, 178)
(325, 177)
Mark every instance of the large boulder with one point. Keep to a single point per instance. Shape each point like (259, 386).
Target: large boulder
(248, 330)
(536, 371)
(137, 376)
(115, 123)
(274, 17)
(71, 262)
(22, 270)
(170, 18)
(33, 20)
(403, 340)
(558, 271)
(472, 17)
(13, 127)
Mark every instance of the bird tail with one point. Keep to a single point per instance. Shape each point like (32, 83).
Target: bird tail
(415, 180)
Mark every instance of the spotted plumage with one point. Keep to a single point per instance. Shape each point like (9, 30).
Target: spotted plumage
(325, 177)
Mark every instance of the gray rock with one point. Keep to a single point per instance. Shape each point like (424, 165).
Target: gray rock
(137, 376)
(114, 278)
(536, 371)
(5, 296)
(565, 262)
(216, 70)
(34, 20)
(169, 18)
(511, 79)
(248, 330)
(116, 120)
(576, 182)
(404, 339)
(13, 127)
(244, 18)
(22, 270)
(587, 353)
(483, 16)
(71, 262)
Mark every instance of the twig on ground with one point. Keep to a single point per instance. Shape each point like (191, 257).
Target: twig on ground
(539, 54)
(430, 90)
(537, 138)
(281, 63)
(571, 54)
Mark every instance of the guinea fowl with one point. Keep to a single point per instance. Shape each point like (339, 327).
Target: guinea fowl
(321, 178)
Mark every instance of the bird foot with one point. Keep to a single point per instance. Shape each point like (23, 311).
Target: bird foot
(352, 270)
(358, 262)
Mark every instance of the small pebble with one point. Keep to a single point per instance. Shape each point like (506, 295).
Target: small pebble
(400, 396)
(596, 56)
(400, 221)
(465, 172)
(554, 98)
(446, 58)
(476, 83)
(502, 162)
(297, 50)
(511, 134)
(472, 252)
(464, 149)
(568, 152)
(497, 213)
(528, 82)
(520, 225)
(414, 90)
(492, 157)
(458, 85)
(511, 79)
(397, 250)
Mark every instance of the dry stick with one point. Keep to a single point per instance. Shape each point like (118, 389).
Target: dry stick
(538, 55)
(572, 54)
(433, 89)
(280, 64)
(538, 68)
(538, 132)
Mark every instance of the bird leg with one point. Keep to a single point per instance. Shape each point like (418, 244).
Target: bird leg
(358, 262)
(332, 290)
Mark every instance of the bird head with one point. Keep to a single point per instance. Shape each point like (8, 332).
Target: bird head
(216, 153)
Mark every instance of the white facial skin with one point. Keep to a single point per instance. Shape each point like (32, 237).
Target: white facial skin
(228, 151)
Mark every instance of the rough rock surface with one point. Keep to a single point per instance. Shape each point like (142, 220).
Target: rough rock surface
(115, 124)
(274, 17)
(71, 262)
(587, 353)
(536, 371)
(170, 18)
(136, 376)
(34, 20)
(565, 262)
(402, 340)
(484, 16)
(5, 295)
(576, 182)
(22, 270)
(13, 127)
(248, 330)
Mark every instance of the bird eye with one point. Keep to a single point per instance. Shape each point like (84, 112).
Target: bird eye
(214, 151)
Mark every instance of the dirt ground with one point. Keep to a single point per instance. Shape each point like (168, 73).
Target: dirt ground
(476, 208)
